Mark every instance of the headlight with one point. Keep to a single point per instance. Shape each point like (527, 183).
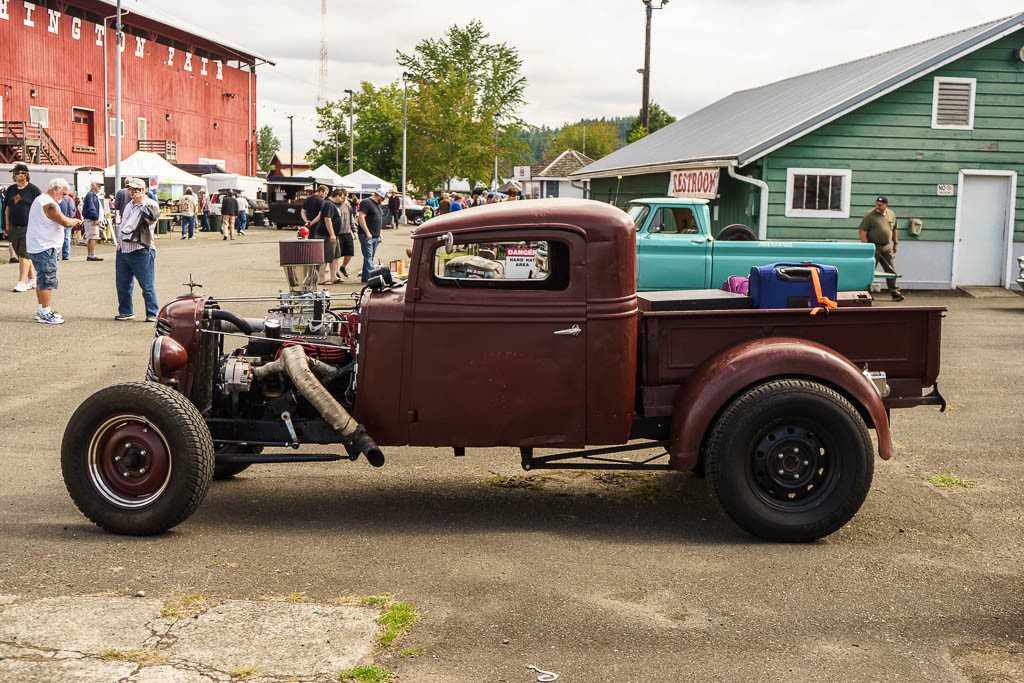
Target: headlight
(166, 357)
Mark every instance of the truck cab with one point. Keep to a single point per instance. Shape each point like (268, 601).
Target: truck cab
(675, 250)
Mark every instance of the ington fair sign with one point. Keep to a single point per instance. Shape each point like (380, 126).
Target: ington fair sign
(54, 21)
(695, 183)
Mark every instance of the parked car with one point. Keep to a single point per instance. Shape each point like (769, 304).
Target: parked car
(675, 249)
(776, 406)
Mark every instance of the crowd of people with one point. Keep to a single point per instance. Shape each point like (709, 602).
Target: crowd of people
(339, 220)
(39, 226)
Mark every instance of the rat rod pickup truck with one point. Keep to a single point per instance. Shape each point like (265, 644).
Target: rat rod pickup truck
(559, 352)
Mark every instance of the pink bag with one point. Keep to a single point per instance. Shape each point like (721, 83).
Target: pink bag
(737, 284)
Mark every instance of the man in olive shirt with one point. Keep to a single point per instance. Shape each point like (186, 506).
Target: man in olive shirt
(879, 228)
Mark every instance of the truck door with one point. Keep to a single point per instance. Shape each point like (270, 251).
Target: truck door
(673, 252)
(499, 341)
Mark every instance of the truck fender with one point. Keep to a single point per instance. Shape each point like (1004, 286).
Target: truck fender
(721, 378)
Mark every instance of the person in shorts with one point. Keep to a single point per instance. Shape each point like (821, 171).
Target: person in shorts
(346, 241)
(92, 213)
(327, 229)
(17, 203)
(43, 240)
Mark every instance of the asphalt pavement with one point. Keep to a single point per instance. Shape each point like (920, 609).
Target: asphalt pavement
(597, 577)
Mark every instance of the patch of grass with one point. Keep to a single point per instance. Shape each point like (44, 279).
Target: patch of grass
(945, 481)
(618, 478)
(396, 616)
(366, 674)
(146, 657)
(413, 652)
(186, 606)
(515, 481)
(223, 564)
(243, 672)
(170, 612)
(298, 597)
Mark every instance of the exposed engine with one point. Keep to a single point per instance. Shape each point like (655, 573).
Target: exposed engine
(281, 381)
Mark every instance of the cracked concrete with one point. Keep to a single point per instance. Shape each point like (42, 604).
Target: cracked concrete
(133, 640)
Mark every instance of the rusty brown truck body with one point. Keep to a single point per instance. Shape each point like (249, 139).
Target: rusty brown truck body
(552, 351)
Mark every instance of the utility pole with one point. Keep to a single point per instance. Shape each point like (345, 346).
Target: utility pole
(351, 132)
(646, 105)
(494, 185)
(584, 138)
(405, 128)
(117, 102)
(291, 145)
(337, 144)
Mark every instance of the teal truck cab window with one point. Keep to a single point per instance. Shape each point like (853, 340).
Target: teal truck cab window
(675, 250)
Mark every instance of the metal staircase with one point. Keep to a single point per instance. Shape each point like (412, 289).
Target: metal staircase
(30, 144)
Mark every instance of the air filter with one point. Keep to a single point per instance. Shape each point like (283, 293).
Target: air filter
(301, 252)
(301, 260)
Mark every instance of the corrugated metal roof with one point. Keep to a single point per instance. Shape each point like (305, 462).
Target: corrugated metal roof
(750, 123)
(139, 8)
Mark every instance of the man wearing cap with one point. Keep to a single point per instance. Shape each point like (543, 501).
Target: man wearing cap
(17, 203)
(43, 241)
(879, 228)
(370, 218)
(136, 255)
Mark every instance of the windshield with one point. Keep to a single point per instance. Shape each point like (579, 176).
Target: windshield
(637, 213)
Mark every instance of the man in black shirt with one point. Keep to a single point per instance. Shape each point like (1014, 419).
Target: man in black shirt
(327, 229)
(311, 208)
(17, 201)
(370, 218)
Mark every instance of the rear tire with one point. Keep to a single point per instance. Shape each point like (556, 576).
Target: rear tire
(790, 460)
(737, 232)
(137, 458)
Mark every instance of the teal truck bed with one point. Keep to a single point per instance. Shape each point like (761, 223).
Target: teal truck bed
(675, 250)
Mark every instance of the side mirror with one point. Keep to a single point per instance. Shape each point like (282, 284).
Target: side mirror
(449, 242)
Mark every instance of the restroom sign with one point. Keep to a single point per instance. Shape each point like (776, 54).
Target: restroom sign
(695, 183)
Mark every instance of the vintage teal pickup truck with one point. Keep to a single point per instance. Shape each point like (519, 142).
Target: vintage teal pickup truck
(675, 249)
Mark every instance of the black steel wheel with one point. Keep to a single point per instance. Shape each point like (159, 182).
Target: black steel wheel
(790, 460)
(137, 458)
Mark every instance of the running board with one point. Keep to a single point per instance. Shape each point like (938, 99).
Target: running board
(593, 459)
(265, 458)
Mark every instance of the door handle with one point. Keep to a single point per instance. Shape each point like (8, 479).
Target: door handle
(700, 241)
(573, 331)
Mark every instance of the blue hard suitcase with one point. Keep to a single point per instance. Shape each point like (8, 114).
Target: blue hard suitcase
(789, 285)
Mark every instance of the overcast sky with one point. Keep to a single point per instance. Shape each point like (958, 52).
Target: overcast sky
(579, 56)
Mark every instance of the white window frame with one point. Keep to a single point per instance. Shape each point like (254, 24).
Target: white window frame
(46, 115)
(847, 175)
(935, 102)
(140, 124)
(112, 124)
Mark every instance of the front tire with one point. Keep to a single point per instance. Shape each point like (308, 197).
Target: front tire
(790, 460)
(137, 458)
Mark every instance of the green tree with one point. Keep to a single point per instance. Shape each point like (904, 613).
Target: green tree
(657, 117)
(332, 135)
(461, 87)
(267, 145)
(595, 139)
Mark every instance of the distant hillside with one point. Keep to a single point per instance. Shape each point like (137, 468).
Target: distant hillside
(537, 138)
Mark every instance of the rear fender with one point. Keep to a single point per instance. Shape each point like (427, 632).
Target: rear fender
(721, 378)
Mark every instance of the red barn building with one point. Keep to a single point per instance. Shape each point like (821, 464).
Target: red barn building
(185, 94)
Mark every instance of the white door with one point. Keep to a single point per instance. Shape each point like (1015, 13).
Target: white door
(981, 242)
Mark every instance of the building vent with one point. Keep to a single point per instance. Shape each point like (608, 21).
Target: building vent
(953, 105)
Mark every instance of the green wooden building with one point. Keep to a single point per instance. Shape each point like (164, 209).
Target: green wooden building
(938, 127)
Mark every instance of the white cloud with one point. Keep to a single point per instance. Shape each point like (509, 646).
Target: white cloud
(579, 56)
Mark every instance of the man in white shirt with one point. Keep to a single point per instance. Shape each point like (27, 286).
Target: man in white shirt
(243, 212)
(43, 242)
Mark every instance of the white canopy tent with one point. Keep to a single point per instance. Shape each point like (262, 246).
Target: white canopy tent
(249, 185)
(152, 165)
(364, 182)
(324, 174)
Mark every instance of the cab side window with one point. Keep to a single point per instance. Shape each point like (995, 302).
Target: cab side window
(676, 221)
(525, 264)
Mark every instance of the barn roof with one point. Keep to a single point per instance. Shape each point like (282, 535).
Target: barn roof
(749, 124)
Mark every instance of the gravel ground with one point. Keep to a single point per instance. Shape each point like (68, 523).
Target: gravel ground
(596, 577)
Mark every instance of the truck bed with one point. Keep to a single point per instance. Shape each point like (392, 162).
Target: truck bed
(903, 342)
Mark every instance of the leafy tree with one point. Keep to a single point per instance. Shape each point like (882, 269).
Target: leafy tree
(267, 145)
(657, 117)
(332, 135)
(593, 139)
(461, 87)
